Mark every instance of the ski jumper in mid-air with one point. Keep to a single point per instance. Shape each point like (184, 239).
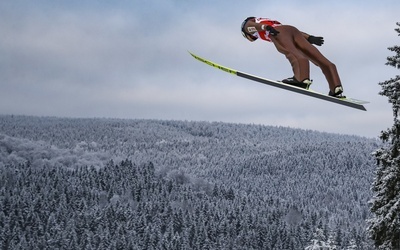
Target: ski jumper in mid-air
(298, 49)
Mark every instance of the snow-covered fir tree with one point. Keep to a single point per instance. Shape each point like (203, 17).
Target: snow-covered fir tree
(352, 245)
(319, 241)
(384, 227)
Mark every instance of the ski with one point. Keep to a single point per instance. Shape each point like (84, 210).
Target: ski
(350, 102)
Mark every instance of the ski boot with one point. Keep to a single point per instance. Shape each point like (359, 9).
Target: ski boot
(337, 92)
(305, 84)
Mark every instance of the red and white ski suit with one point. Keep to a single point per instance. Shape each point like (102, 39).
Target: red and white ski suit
(264, 35)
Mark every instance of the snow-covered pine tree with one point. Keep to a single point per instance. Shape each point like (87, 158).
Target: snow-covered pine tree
(384, 226)
(352, 245)
(319, 241)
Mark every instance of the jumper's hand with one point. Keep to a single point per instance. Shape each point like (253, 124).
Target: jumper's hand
(272, 31)
(317, 40)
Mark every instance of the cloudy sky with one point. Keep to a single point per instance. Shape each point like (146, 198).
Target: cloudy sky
(129, 59)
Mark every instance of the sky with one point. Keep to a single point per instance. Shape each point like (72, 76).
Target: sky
(129, 59)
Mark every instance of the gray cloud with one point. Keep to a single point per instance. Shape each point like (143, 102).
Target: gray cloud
(129, 60)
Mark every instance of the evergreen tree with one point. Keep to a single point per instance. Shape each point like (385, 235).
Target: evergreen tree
(384, 227)
(352, 245)
(332, 244)
(319, 241)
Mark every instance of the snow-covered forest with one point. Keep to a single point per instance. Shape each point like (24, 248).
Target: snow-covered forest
(149, 184)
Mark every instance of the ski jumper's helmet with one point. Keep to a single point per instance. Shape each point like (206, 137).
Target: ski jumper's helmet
(245, 33)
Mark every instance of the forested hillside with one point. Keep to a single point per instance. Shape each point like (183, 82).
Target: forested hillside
(148, 184)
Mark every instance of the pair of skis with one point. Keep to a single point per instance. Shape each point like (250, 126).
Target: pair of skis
(350, 102)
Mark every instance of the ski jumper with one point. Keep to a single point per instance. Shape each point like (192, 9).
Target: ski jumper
(298, 50)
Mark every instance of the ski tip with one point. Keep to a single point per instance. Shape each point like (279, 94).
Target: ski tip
(193, 55)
